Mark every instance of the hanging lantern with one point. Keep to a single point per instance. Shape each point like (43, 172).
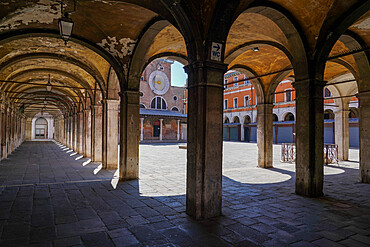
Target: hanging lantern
(65, 27)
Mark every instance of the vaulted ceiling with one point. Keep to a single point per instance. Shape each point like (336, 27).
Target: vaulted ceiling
(107, 33)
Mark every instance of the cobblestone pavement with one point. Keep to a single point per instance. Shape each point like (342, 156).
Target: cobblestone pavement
(50, 198)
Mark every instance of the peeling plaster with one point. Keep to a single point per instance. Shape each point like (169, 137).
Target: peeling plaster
(121, 48)
(44, 12)
(364, 24)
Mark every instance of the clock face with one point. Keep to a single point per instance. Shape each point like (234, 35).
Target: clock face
(158, 82)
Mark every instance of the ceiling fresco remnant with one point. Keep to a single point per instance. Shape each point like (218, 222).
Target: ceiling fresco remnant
(118, 48)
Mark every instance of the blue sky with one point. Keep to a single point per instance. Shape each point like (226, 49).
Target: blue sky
(178, 75)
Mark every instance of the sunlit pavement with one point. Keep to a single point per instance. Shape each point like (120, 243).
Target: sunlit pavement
(50, 198)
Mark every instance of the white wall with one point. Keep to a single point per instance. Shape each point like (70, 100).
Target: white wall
(50, 121)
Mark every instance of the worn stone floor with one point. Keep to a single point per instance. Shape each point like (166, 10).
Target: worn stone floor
(50, 198)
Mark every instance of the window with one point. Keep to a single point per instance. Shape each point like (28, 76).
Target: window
(158, 103)
(141, 94)
(274, 98)
(288, 95)
(175, 108)
(327, 93)
(289, 117)
(226, 81)
(142, 106)
(236, 79)
(225, 103)
(235, 102)
(275, 118)
(175, 98)
(246, 100)
(245, 78)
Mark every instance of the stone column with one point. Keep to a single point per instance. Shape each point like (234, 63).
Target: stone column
(178, 130)
(110, 133)
(141, 129)
(204, 155)
(87, 131)
(129, 135)
(80, 139)
(341, 126)
(1, 129)
(5, 133)
(242, 132)
(29, 129)
(160, 129)
(62, 130)
(11, 129)
(75, 123)
(309, 137)
(264, 135)
(364, 133)
(68, 131)
(96, 133)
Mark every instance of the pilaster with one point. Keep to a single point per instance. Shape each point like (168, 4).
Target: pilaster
(364, 123)
(309, 137)
(129, 135)
(264, 135)
(110, 133)
(204, 155)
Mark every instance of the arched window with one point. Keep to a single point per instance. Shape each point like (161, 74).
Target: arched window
(327, 93)
(158, 103)
(142, 106)
(236, 120)
(352, 113)
(175, 108)
(328, 114)
(275, 118)
(227, 120)
(289, 117)
(247, 120)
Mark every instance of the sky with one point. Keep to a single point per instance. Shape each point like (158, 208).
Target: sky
(178, 75)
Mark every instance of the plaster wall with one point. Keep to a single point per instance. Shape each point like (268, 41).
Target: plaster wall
(50, 121)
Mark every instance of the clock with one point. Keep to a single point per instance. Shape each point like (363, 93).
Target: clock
(158, 82)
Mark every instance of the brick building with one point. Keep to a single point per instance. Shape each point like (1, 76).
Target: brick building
(162, 114)
(240, 112)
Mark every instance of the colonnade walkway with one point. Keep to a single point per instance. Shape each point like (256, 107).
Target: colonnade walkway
(50, 196)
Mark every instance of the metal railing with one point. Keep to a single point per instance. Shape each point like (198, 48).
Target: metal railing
(288, 153)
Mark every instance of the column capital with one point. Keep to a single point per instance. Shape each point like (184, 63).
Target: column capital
(205, 74)
(130, 97)
(309, 82)
(363, 95)
(205, 64)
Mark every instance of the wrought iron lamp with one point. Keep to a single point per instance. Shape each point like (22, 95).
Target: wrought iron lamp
(65, 23)
(48, 86)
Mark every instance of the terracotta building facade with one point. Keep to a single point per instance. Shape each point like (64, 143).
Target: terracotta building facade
(162, 112)
(240, 112)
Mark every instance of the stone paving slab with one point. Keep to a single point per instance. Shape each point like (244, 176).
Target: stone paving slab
(50, 198)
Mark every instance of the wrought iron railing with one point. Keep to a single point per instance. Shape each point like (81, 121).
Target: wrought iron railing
(288, 153)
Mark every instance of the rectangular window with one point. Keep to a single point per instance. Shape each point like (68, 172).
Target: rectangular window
(236, 79)
(246, 101)
(225, 102)
(288, 95)
(235, 102)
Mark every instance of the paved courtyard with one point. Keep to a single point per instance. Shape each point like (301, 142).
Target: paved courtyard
(50, 196)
